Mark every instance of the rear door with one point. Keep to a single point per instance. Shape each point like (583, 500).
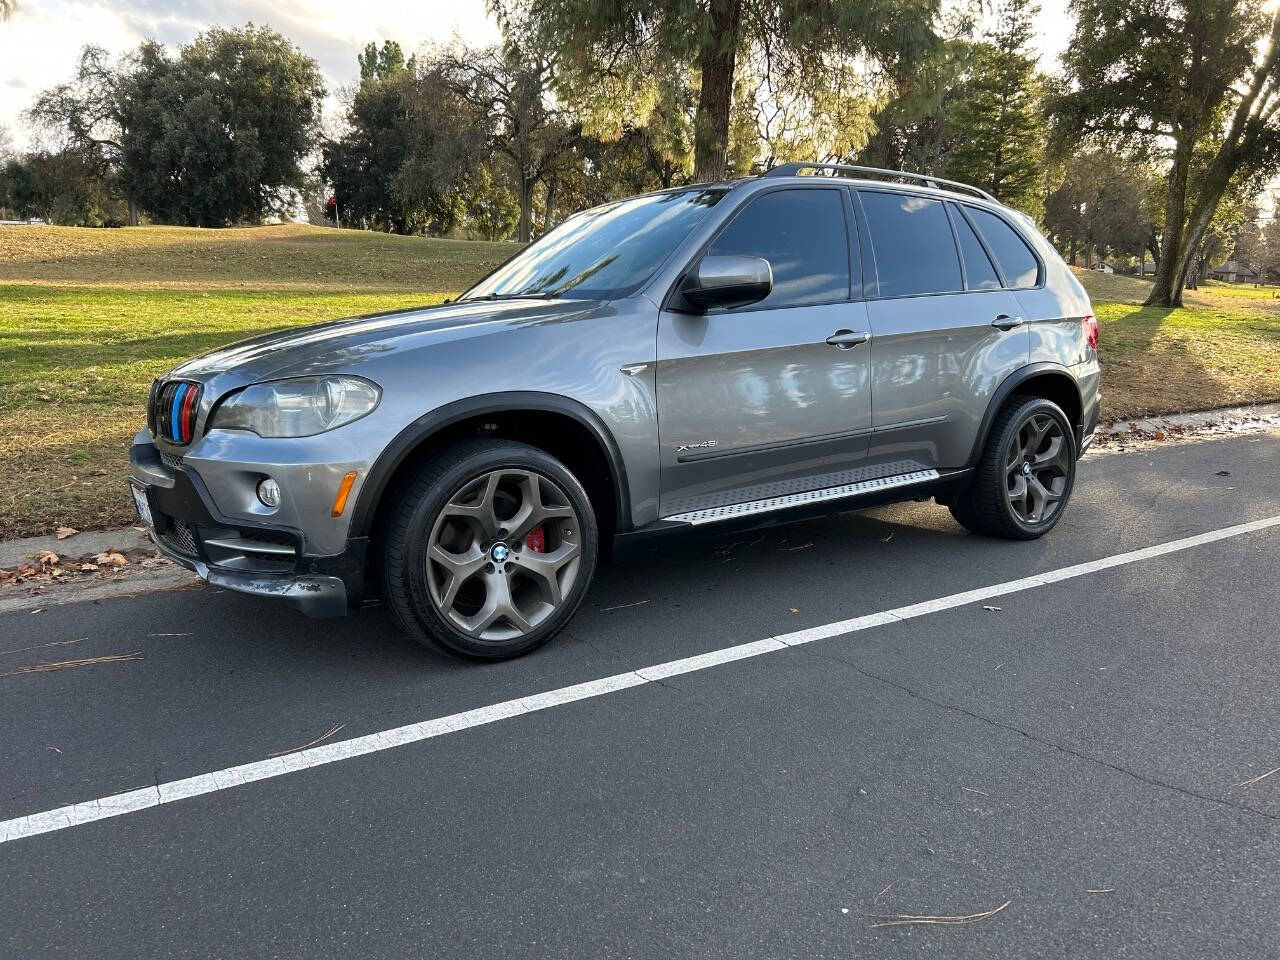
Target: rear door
(945, 330)
(753, 402)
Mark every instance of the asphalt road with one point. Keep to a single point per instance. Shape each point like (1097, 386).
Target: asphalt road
(1075, 753)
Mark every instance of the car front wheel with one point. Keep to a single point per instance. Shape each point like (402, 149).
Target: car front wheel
(490, 550)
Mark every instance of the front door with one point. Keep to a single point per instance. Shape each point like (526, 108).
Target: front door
(754, 402)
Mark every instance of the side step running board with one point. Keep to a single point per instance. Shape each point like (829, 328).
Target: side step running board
(733, 510)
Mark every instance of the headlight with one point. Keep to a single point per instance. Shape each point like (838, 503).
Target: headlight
(301, 407)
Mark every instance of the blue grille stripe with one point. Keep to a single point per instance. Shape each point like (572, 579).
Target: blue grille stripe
(175, 433)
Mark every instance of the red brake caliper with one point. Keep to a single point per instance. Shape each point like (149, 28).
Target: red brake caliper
(536, 541)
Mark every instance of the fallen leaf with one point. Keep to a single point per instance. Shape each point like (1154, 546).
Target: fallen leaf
(48, 558)
(1159, 435)
(1224, 473)
(88, 567)
(63, 532)
(111, 559)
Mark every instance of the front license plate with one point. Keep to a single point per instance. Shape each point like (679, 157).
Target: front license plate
(144, 508)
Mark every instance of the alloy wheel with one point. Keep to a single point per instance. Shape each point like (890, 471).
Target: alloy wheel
(503, 554)
(1037, 469)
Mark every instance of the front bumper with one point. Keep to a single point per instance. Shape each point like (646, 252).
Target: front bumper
(258, 558)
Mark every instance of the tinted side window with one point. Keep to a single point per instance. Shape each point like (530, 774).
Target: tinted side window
(802, 235)
(979, 274)
(1017, 262)
(915, 250)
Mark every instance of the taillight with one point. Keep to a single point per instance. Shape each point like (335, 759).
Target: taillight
(1091, 330)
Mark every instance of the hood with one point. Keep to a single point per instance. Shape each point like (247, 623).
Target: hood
(339, 346)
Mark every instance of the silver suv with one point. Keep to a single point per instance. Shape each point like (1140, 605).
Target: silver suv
(816, 339)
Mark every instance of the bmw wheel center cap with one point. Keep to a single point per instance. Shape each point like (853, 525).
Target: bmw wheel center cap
(499, 552)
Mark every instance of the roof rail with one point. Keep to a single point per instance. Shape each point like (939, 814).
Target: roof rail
(793, 169)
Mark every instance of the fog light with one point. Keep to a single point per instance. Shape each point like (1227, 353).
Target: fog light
(269, 493)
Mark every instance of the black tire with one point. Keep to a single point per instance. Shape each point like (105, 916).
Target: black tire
(990, 505)
(415, 587)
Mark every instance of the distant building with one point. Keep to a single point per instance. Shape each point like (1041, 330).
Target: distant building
(1103, 267)
(1233, 271)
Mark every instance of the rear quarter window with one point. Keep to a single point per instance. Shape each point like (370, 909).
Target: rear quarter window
(1018, 264)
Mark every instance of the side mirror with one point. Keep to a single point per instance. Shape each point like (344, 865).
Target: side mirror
(728, 282)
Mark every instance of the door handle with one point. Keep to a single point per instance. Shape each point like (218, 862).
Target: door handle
(847, 339)
(1006, 322)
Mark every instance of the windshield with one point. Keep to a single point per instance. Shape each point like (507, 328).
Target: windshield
(602, 253)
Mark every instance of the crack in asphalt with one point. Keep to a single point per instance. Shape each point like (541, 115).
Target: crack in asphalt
(1001, 725)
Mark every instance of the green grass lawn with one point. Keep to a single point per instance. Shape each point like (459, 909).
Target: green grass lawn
(1222, 348)
(89, 317)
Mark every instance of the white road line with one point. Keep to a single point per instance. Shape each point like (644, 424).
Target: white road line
(76, 814)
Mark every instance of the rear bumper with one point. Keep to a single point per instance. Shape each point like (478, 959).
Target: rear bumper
(258, 558)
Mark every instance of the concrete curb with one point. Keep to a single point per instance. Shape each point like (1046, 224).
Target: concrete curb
(14, 552)
(1258, 416)
(129, 580)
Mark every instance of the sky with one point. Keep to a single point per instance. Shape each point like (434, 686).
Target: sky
(39, 45)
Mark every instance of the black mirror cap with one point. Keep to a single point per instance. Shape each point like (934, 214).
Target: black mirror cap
(727, 282)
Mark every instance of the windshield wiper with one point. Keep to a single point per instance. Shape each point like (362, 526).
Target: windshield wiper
(514, 296)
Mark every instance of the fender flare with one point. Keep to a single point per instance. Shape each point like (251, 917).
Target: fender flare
(421, 429)
(1007, 388)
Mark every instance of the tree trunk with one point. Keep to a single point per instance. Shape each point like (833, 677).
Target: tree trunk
(1212, 186)
(1167, 290)
(525, 229)
(133, 213)
(1153, 244)
(547, 218)
(717, 61)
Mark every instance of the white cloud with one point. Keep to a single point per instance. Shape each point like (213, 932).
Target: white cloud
(39, 46)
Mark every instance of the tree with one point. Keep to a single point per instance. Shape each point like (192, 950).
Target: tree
(410, 147)
(87, 113)
(491, 208)
(58, 186)
(1097, 207)
(508, 89)
(7, 9)
(363, 163)
(639, 38)
(1192, 75)
(914, 129)
(1001, 143)
(1271, 252)
(211, 137)
(217, 135)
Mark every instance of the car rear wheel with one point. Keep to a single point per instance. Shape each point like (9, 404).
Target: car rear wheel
(1024, 479)
(490, 550)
